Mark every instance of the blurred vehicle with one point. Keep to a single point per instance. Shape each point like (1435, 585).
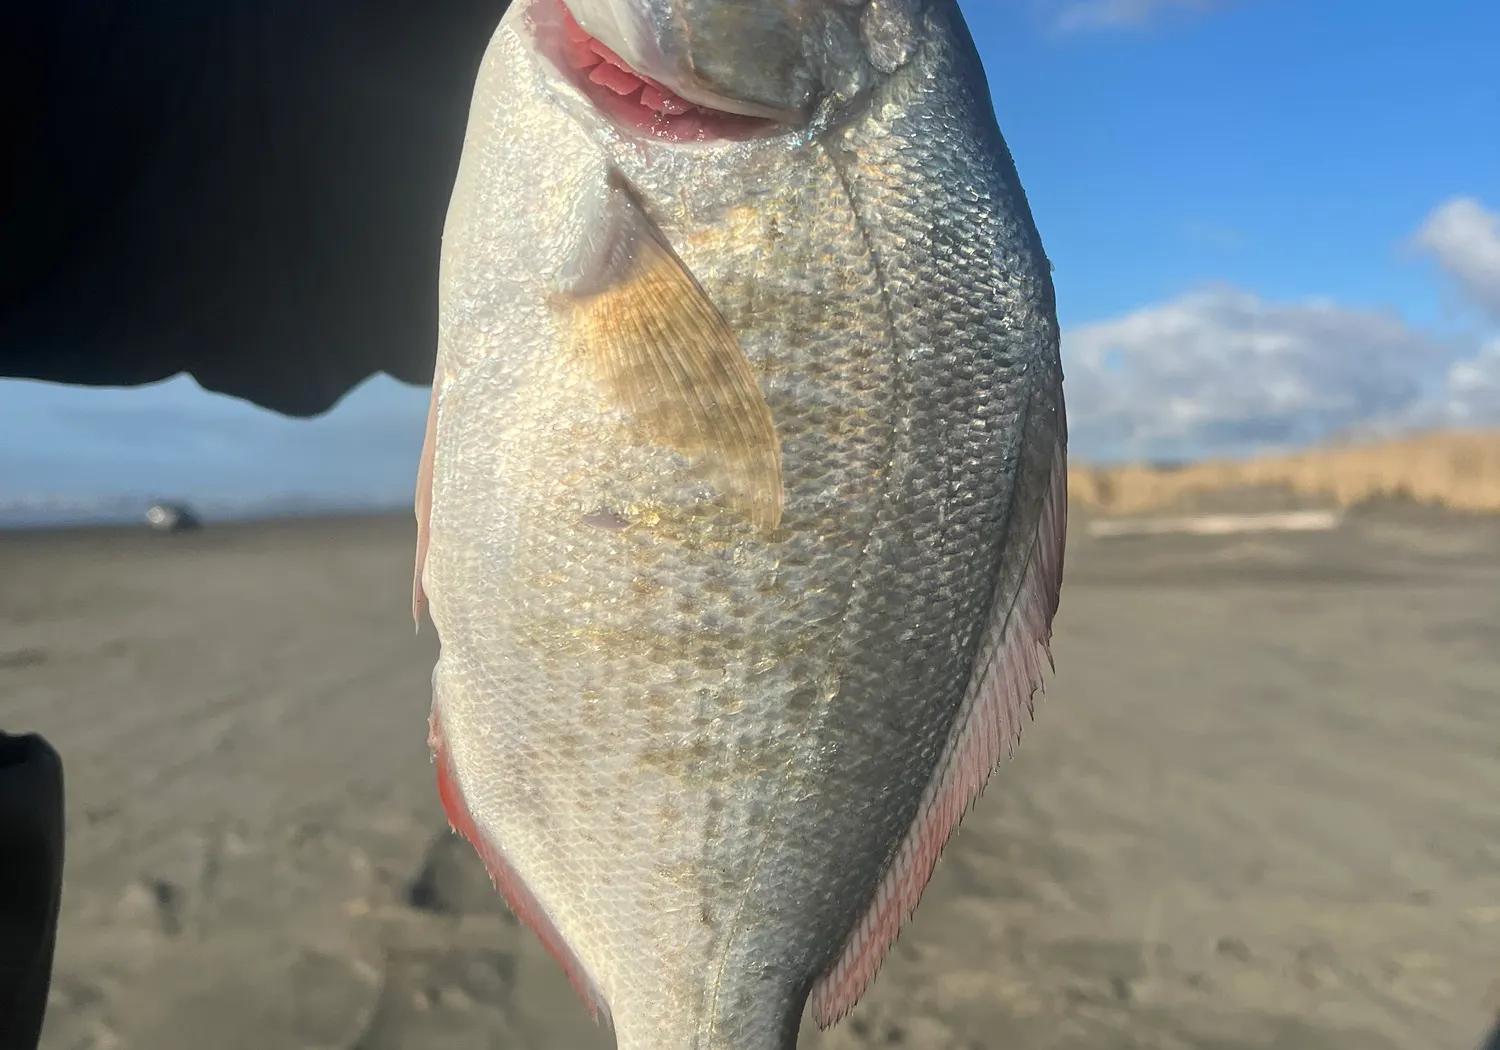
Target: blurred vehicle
(172, 517)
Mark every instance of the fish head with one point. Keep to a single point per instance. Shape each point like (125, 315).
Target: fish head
(773, 61)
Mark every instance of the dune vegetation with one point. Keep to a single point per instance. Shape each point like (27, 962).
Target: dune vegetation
(1458, 470)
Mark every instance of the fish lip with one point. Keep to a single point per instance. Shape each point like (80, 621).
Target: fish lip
(643, 53)
(573, 53)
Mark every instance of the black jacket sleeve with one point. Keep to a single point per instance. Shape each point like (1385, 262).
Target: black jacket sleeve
(249, 190)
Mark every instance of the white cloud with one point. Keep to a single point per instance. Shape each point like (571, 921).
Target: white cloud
(1221, 371)
(1471, 395)
(1101, 14)
(1464, 238)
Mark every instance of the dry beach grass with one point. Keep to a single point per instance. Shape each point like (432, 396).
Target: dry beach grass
(1259, 808)
(1454, 469)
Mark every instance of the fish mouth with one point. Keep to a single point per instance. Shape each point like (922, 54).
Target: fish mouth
(638, 102)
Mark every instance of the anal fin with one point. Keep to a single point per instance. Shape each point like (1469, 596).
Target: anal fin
(1007, 673)
(517, 896)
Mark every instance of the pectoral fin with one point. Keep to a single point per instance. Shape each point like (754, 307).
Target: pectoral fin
(665, 356)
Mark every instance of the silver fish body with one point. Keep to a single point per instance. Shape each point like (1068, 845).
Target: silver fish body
(741, 517)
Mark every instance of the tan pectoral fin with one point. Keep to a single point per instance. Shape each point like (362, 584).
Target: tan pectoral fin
(423, 506)
(666, 357)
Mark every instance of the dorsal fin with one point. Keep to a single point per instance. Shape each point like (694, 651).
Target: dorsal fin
(1007, 673)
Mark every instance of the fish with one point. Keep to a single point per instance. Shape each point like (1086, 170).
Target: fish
(742, 502)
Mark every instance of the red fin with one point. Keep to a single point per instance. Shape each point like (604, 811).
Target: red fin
(423, 506)
(1007, 673)
(520, 899)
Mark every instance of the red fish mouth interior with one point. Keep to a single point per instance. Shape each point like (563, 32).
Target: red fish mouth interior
(636, 101)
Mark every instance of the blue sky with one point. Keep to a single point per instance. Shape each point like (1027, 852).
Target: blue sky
(1271, 221)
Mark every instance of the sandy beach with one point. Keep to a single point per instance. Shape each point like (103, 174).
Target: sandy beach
(1259, 808)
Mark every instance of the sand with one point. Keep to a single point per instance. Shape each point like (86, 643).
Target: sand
(1260, 806)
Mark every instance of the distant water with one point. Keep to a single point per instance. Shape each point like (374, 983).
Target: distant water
(51, 511)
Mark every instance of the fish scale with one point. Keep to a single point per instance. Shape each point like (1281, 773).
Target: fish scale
(740, 523)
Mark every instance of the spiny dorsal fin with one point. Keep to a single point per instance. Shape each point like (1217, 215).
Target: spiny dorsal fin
(666, 356)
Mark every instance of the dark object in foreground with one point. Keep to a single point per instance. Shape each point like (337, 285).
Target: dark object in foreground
(31, 864)
(252, 191)
(172, 517)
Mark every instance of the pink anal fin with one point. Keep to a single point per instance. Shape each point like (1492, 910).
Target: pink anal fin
(423, 506)
(520, 899)
(1007, 673)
